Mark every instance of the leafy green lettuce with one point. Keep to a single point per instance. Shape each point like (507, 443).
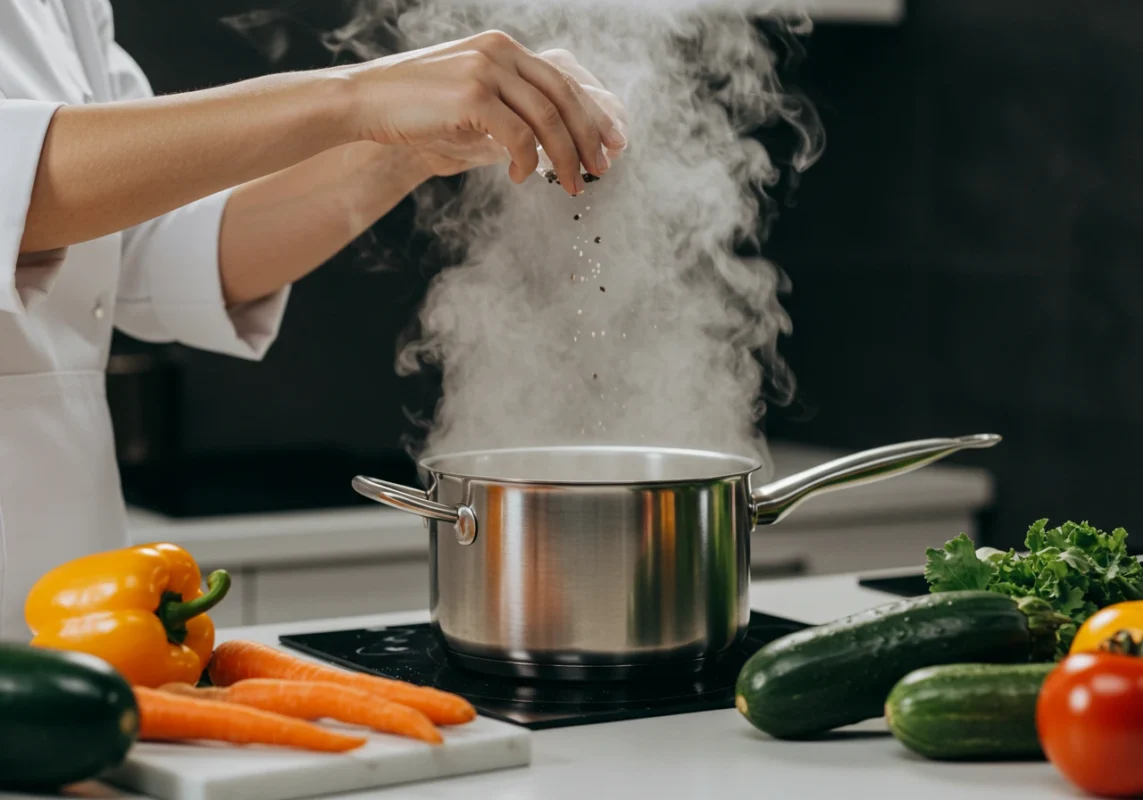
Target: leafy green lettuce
(1077, 568)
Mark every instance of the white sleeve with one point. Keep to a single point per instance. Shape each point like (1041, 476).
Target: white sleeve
(170, 288)
(23, 280)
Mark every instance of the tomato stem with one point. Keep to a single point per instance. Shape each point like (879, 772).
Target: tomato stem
(1122, 643)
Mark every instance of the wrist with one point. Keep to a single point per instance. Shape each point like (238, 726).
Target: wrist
(334, 102)
(353, 91)
(385, 175)
(409, 168)
(399, 167)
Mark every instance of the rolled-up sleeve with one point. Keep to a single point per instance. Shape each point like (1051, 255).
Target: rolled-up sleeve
(23, 279)
(170, 287)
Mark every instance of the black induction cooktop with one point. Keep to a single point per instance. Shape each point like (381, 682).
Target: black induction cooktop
(413, 653)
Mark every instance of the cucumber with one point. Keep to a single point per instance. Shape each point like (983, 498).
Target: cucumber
(969, 711)
(840, 673)
(64, 717)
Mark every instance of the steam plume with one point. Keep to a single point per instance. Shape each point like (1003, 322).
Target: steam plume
(661, 332)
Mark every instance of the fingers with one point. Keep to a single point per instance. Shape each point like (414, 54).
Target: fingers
(606, 110)
(506, 127)
(564, 128)
(485, 152)
(553, 102)
(471, 148)
(591, 126)
(569, 118)
(570, 64)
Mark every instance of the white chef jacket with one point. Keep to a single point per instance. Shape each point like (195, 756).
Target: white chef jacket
(60, 496)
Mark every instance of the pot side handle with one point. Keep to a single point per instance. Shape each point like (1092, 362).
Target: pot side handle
(416, 501)
(772, 502)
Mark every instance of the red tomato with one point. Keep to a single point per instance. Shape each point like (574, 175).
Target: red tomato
(1089, 716)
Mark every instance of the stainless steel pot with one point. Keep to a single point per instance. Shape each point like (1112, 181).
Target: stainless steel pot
(594, 562)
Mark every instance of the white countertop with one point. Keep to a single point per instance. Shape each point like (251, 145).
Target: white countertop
(716, 753)
(374, 531)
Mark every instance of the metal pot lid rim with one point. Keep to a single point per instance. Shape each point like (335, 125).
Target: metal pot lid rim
(730, 465)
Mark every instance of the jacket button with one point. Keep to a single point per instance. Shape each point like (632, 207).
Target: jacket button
(98, 310)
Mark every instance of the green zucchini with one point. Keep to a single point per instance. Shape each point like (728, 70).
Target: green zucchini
(969, 711)
(64, 717)
(840, 673)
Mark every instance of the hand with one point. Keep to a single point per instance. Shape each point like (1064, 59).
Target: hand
(606, 103)
(467, 151)
(484, 99)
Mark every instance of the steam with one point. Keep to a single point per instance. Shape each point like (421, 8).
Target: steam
(662, 333)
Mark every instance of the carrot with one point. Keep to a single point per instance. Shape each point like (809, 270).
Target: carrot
(164, 716)
(239, 660)
(313, 700)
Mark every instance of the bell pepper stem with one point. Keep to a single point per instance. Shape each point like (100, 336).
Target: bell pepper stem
(175, 614)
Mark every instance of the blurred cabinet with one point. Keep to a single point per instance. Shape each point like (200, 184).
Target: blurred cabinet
(863, 545)
(318, 591)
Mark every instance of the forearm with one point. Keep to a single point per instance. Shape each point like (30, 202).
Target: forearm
(278, 228)
(106, 167)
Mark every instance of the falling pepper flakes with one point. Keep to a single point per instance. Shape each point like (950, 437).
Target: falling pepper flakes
(576, 216)
(594, 375)
(597, 240)
(602, 289)
(551, 177)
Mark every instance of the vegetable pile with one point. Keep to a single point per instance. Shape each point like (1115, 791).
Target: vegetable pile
(1075, 567)
(1032, 655)
(123, 651)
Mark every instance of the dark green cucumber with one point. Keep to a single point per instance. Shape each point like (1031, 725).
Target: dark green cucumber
(64, 717)
(841, 673)
(969, 711)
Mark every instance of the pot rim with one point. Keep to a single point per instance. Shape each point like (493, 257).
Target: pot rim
(745, 465)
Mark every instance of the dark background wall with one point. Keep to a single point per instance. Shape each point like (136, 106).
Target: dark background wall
(965, 257)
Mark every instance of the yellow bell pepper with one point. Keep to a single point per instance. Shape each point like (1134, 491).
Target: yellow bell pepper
(1106, 623)
(141, 609)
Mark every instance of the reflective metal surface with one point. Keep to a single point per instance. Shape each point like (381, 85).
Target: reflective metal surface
(591, 465)
(416, 501)
(615, 556)
(582, 576)
(775, 500)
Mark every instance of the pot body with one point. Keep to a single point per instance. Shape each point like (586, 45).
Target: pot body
(597, 562)
(568, 580)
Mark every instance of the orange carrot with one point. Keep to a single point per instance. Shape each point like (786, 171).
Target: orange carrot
(238, 660)
(164, 716)
(314, 700)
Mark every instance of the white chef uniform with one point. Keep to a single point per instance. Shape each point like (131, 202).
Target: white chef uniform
(60, 496)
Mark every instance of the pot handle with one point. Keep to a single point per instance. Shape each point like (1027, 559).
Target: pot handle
(772, 502)
(416, 501)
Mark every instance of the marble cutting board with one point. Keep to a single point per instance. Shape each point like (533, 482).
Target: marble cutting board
(221, 772)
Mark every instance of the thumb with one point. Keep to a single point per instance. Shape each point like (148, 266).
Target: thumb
(487, 152)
